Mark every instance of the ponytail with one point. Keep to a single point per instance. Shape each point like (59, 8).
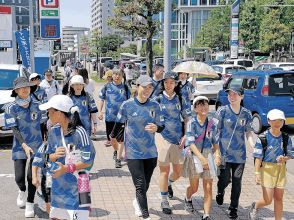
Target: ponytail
(74, 117)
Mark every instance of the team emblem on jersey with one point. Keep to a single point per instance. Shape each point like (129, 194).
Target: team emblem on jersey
(152, 113)
(84, 103)
(209, 134)
(178, 106)
(189, 89)
(242, 122)
(121, 91)
(34, 115)
(39, 96)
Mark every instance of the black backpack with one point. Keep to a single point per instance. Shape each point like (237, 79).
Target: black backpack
(262, 137)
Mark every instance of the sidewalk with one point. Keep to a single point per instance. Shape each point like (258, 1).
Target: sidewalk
(113, 192)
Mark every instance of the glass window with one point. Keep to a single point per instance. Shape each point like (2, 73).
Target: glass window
(250, 84)
(235, 82)
(193, 2)
(184, 2)
(7, 77)
(281, 85)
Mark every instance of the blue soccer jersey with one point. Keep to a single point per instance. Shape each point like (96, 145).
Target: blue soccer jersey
(157, 88)
(274, 148)
(87, 105)
(40, 97)
(174, 114)
(187, 90)
(28, 121)
(139, 144)
(195, 129)
(114, 95)
(40, 158)
(232, 133)
(64, 191)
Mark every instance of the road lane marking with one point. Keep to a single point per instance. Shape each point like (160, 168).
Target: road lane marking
(7, 175)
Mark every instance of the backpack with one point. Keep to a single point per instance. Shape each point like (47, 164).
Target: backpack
(262, 137)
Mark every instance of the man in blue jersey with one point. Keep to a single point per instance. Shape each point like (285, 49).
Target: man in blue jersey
(158, 71)
(114, 94)
(234, 122)
(24, 117)
(143, 118)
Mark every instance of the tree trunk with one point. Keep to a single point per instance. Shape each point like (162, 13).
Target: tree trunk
(149, 54)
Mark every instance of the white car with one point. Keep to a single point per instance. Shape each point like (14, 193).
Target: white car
(8, 73)
(227, 70)
(282, 65)
(208, 87)
(247, 63)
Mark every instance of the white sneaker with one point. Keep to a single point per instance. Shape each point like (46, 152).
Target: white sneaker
(29, 213)
(21, 201)
(137, 208)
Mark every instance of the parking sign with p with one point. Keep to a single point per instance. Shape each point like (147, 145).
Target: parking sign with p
(49, 3)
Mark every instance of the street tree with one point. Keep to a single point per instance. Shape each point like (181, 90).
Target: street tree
(137, 17)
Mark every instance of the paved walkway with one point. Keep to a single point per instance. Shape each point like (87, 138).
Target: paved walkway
(113, 192)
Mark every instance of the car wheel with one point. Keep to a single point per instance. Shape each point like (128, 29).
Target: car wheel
(256, 123)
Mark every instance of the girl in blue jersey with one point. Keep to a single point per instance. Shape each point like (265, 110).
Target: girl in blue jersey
(70, 150)
(202, 143)
(143, 118)
(186, 88)
(270, 165)
(171, 140)
(87, 106)
(24, 117)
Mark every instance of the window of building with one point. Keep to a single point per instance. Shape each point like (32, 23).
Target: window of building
(13, 1)
(193, 2)
(19, 1)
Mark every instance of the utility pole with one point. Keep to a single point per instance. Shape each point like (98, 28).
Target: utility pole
(167, 35)
(32, 38)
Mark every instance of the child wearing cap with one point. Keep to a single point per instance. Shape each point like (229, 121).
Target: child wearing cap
(273, 148)
(171, 140)
(234, 123)
(24, 117)
(86, 103)
(202, 142)
(71, 153)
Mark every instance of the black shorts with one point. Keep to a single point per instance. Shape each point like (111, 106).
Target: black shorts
(109, 133)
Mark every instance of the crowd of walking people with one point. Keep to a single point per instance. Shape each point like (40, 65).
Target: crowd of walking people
(152, 126)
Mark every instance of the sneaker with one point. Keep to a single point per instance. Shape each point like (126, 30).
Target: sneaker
(29, 213)
(20, 201)
(189, 206)
(170, 192)
(137, 208)
(252, 214)
(118, 164)
(220, 198)
(206, 218)
(114, 155)
(232, 213)
(107, 143)
(166, 209)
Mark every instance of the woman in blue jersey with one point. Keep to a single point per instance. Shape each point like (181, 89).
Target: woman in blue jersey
(202, 143)
(143, 118)
(186, 88)
(87, 106)
(171, 140)
(70, 151)
(24, 117)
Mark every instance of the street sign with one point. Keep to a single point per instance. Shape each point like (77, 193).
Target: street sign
(50, 28)
(50, 3)
(6, 32)
(6, 43)
(49, 13)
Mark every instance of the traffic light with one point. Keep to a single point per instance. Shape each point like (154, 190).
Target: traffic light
(57, 45)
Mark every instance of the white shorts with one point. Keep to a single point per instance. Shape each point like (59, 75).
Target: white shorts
(69, 214)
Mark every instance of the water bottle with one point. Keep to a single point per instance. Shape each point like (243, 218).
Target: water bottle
(52, 166)
(84, 189)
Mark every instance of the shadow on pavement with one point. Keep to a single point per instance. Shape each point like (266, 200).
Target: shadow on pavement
(96, 212)
(109, 173)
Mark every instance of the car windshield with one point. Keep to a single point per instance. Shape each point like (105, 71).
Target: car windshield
(7, 77)
(218, 68)
(209, 78)
(281, 85)
(231, 70)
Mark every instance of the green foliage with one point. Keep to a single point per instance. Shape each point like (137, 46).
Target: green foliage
(132, 48)
(137, 18)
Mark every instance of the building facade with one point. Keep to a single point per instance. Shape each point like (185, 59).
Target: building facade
(71, 37)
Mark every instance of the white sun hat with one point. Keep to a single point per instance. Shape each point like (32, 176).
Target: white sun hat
(59, 102)
(275, 114)
(77, 79)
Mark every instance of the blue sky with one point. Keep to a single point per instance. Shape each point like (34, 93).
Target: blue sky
(75, 13)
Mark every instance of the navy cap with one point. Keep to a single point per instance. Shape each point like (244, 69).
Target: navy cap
(238, 90)
(170, 75)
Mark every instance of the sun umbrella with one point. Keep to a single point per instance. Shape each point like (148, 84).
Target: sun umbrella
(198, 69)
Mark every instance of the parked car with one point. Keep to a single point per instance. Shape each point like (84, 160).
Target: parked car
(242, 62)
(208, 87)
(227, 70)
(8, 73)
(283, 65)
(263, 91)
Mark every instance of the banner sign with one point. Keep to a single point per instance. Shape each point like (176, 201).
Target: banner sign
(22, 38)
(234, 42)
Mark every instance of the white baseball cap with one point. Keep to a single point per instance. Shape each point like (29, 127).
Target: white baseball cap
(77, 79)
(198, 98)
(34, 75)
(59, 102)
(275, 114)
